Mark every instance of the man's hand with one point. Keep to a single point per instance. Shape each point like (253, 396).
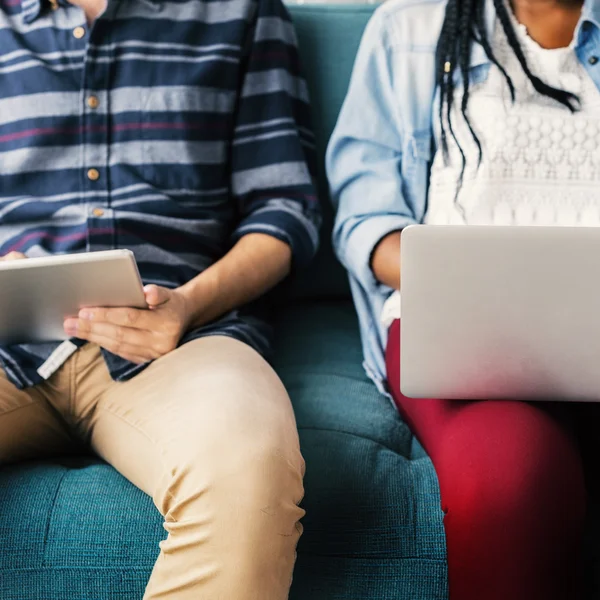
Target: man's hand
(254, 265)
(138, 336)
(13, 256)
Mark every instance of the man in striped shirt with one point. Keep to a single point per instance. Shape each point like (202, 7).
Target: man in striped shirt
(178, 129)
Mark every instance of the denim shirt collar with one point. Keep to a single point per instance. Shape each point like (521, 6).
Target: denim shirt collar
(591, 13)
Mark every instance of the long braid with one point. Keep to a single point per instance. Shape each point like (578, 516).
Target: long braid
(446, 54)
(480, 36)
(567, 98)
(464, 24)
(464, 52)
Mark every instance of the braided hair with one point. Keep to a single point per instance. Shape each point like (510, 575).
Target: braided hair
(464, 24)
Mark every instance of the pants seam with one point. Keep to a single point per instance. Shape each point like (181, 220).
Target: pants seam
(72, 366)
(145, 436)
(165, 466)
(29, 405)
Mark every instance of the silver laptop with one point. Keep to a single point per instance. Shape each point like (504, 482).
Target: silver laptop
(501, 313)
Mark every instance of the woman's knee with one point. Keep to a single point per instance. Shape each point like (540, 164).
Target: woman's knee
(501, 460)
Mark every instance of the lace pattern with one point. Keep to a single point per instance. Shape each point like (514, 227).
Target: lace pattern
(541, 164)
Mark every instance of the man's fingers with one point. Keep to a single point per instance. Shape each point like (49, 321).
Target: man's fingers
(126, 351)
(129, 352)
(13, 256)
(156, 296)
(124, 317)
(83, 328)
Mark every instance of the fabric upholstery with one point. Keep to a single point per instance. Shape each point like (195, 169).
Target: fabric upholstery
(328, 36)
(74, 529)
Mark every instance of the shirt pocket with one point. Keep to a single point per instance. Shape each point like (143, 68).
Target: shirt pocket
(416, 163)
(185, 138)
(417, 152)
(420, 146)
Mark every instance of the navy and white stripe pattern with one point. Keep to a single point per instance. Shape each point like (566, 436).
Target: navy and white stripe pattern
(170, 127)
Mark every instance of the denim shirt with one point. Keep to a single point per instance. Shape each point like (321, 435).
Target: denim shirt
(380, 153)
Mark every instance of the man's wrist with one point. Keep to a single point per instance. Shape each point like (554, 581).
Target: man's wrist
(200, 299)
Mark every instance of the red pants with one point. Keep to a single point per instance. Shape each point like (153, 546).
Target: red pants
(512, 488)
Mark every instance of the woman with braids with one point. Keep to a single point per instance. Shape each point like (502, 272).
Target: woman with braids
(475, 112)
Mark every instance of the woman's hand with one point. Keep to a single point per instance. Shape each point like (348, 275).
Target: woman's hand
(385, 261)
(137, 335)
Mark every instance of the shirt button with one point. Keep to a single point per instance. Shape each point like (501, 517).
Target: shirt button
(593, 60)
(98, 212)
(93, 175)
(78, 32)
(93, 102)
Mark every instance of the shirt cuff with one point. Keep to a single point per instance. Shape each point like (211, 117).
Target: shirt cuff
(287, 225)
(363, 241)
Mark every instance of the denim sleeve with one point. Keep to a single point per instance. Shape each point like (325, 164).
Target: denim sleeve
(364, 157)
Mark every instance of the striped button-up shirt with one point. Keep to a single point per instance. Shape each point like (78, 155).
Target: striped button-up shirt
(168, 127)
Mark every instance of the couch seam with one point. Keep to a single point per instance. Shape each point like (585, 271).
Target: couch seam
(52, 569)
(51, 516)
(362, 437)
(281, 371)
(373, 558)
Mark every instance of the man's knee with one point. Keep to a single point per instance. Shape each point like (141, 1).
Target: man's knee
(253, 488)
(234, 440)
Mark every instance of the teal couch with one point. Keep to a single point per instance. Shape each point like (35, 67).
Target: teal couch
(74, 529)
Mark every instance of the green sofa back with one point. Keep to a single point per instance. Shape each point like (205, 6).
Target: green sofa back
(329, 36)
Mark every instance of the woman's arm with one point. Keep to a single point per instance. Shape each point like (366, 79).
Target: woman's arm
(385, 261)
(364, 162)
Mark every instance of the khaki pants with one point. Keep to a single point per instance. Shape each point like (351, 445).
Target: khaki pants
(208, 431)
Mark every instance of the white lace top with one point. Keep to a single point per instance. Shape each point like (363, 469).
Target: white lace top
(541, 164)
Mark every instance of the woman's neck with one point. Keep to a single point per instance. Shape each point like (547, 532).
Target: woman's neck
(551, 23)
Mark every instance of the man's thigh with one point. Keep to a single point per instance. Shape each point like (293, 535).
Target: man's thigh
(29, 426)
(212, 403)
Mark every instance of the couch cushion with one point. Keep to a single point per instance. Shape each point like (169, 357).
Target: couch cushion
(373, 528)
(76, 530)
(328, 36)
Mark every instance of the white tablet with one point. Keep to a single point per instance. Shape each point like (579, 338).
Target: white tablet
(37, 294)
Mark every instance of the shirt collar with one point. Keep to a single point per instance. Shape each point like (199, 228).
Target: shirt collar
(31, 9)
(589, 13)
